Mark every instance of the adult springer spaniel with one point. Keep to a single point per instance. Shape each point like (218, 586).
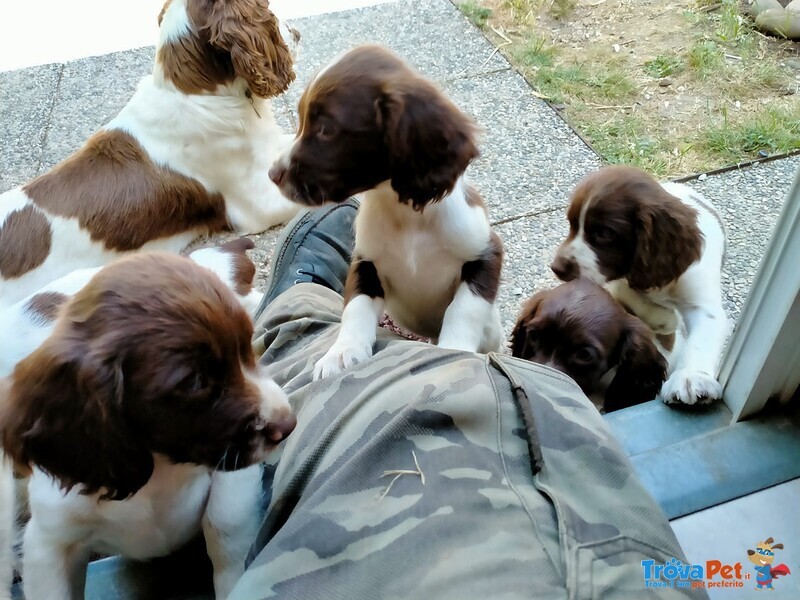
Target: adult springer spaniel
(424, 249)
(141, 420)
(188, 155)
(579, 329)
(659, 249)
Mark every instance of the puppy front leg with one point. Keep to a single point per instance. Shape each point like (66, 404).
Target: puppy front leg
(51, 568)
(472, 322)
(364, 302)
(695, 376)
(230, 524)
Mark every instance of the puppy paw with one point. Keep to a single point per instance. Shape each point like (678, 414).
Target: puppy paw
(341, 357)
(686, 386)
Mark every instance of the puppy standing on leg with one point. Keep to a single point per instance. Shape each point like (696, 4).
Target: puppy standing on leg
(424, 249)
(659, 249)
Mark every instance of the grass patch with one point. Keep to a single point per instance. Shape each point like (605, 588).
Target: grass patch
(705, 57)
(583, 81)
(775, 129)
(662, 66)
(730, 26)
(477, 14)
(629, 141)
(558, 9)
(534, 52)
(605, 75)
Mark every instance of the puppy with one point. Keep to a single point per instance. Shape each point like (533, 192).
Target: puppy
(659, 250)
(424, 249)
(579, 329)
(187, 156)
(141, 420)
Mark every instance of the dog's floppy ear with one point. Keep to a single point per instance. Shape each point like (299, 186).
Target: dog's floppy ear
(249, 31)
(641, 369)
(668, 238)
(430, 141)
(64, 413)
(519, 336)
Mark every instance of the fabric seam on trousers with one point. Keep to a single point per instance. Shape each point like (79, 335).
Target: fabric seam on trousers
(556, 565)
(523, 402)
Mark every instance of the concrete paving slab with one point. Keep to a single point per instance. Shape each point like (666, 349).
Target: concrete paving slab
(26, 101)
(430, 34)
(530, 159)
(530, 243)
(92, 92)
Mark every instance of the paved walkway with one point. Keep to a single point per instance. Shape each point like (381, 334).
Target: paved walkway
(530, 160)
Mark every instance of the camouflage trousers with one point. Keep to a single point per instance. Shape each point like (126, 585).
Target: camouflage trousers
(429, 473)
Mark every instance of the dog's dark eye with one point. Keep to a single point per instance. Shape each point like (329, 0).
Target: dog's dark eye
(195, 382)
(583, 356)
(604, 235)
(325, 131)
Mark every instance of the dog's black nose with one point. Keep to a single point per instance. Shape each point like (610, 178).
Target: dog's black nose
(564, 268)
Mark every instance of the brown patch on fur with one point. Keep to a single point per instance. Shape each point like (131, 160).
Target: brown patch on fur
(475, 199)
(25, 240)
(244, 271)
(370, 117)
(148, 357)
(122, 198)
(163, 10)
(362, 278)
(483, 275)
(43, 307)
(667, 341)
(579, 329)
(235, 38)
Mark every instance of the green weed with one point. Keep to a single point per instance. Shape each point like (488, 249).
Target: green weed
(625, 140)
(661, 66)
(477, 14)
(705, 57)
(775, 130)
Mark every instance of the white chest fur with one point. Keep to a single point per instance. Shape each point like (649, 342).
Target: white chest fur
(159, 518)
(419, 254)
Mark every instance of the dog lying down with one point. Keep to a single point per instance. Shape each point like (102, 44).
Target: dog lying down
(579, 329)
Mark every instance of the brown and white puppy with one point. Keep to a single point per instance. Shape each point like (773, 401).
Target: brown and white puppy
(424, 249)
(142, 419)
(579, 329)
(659, 249)
(188, 155)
